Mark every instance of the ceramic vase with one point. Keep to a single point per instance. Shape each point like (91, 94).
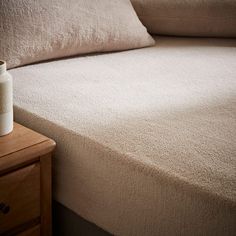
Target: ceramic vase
(6, 100)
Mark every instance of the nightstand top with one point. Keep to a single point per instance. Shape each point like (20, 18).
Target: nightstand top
(22, 147)
(20, 138)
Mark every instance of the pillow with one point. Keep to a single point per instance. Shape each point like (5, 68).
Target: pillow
(209, 18)
(36, 30)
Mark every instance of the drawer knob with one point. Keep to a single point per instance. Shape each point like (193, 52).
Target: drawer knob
(4, 208)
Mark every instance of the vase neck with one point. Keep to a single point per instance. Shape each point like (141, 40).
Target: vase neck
(3, 67)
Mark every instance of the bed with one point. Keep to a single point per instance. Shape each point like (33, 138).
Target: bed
(146, 138)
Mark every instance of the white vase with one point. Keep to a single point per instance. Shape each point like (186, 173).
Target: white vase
(6, 100)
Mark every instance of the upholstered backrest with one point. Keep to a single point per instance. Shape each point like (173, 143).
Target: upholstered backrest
(33, 30)
(209, 18)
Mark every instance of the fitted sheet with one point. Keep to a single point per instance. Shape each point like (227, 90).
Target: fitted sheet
(146, 139)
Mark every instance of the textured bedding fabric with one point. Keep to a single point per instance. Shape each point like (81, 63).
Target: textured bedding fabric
(32, 30)
(146, 139)
(208, 18)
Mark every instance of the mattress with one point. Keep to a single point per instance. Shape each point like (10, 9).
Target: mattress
(146, 138)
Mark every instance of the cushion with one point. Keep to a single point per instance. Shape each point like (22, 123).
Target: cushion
(209, 18)
(33, 31)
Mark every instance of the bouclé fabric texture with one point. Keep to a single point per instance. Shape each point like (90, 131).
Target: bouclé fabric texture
(208, 18)
(32, 31)
(146, 141)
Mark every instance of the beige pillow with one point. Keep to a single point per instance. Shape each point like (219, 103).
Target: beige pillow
(210, 18)
(36, 30)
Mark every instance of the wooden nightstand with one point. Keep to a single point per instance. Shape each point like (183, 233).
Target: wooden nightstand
(25, 183)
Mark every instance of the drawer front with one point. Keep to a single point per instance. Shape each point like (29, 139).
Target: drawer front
(19, 197)
(35, 231)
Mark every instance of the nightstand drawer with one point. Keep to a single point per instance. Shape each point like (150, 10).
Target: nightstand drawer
(35, 231)
(19, 197)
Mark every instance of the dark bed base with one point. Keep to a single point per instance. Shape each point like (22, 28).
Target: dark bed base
(67, 223)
